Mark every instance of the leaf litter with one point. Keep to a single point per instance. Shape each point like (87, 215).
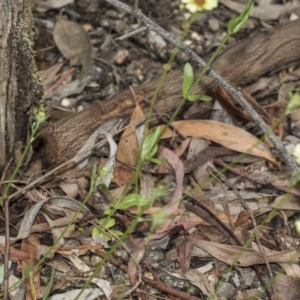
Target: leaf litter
(203, 241)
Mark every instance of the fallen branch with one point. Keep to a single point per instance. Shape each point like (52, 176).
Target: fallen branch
(239, 64)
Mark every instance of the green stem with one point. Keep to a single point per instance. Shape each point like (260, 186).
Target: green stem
(110, 253)
(18, 166)
(211, 59)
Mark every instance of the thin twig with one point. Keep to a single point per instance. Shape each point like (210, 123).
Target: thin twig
(131, 33)
(237, 95)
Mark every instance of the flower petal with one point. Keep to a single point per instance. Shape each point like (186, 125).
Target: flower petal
(194, 5)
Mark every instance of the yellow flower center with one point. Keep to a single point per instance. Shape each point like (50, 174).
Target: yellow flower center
(200, 2)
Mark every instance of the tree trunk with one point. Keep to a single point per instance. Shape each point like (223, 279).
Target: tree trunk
(20, 88)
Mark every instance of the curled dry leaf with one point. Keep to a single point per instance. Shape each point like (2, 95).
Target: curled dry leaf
(229, 136)
(85, 151)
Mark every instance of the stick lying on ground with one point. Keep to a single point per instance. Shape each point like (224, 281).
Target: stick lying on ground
(239, 64)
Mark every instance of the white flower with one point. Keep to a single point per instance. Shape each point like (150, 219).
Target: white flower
(199, 5)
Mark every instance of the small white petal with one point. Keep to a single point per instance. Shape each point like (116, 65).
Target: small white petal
(192, 7)
(210, 4)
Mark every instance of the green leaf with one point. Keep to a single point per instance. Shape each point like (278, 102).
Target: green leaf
(107, 211)
(158, 161)
(117, 232)
(205, 98)
(149, 146)
(79, 228)
(108, 223)
(235, 24)
(294, 102)
(188, 78)
(96, 232)
(132, 200)
(193, 98)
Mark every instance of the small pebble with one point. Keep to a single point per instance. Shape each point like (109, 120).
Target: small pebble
(121, 56)
(214, 24)
(65, 102)
(156, 40)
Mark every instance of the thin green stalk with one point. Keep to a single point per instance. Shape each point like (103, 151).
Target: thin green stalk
(199, 78)
(139, 164)
(110, 252)
(17, 168)
(40, 116)
(211, 59)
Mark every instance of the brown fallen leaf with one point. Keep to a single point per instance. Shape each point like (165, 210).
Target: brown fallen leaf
(287, 288)
(229, 104)
(15, 253)
(172, 207)
(74, 43)
(201, 281)
(235, 255)
(122, 174)
(292, 270)
(228, 136)
(242, 218)
(128, 149)
(48, 76)
(32, 284)
(204, 156)
(184, 251)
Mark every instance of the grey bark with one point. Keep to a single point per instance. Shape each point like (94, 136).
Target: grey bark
(20, 88)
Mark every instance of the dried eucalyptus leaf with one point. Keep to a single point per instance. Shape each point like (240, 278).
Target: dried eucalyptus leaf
(74, 43)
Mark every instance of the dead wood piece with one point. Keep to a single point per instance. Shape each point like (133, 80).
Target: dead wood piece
(240, 64)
